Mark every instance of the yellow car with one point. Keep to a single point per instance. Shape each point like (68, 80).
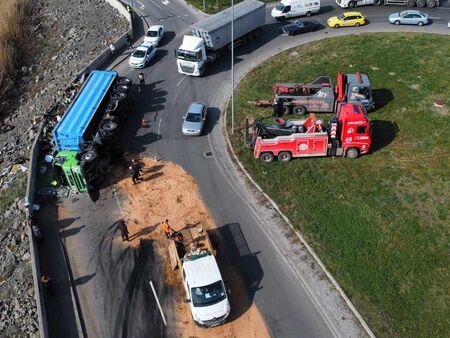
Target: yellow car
(347, 19)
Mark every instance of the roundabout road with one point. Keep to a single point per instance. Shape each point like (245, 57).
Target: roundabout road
(288, 290)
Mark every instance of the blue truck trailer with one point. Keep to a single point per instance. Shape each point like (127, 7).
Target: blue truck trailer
(86, 124)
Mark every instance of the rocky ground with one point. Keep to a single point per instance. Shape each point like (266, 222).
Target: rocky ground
(66, 35)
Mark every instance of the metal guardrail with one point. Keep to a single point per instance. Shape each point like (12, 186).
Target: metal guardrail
(31, 180)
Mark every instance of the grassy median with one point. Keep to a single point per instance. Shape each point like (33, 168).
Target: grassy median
(381, 222)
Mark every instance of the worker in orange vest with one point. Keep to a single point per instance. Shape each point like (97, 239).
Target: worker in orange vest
(167, 229)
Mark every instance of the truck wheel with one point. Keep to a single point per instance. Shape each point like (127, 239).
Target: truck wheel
(352, 153)
(287, 110)
(89, 156)
(125, 81)
(300, 110)
(421, 3)
(397, 22)
(431, 3)
(109, 127)
(118, 96)
(266, 157)
(379, 2)
(308, 14)
(121, 88)
(352, 4)
(410, 3)
(284, 156)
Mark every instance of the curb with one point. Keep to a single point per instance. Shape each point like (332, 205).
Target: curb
(286, 219)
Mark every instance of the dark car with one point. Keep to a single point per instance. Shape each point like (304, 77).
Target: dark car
(301, 26)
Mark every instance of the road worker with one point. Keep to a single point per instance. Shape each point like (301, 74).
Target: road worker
(167, 229)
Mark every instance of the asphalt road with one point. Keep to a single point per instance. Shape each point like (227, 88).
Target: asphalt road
(112, 279)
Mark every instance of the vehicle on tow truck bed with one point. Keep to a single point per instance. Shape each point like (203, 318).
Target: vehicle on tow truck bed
(348, 134)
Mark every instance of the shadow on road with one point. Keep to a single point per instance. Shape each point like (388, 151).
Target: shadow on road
(70, 232)
(240, 267)
(382, 97)
(144, 231)
(167, 38)
(83, 280)
(64, 223)
(212, 120)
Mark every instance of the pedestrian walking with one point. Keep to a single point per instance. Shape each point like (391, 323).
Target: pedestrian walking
(136, 171)
(128, 40)
(167, 229)
(141, 80)
(47, 283)
(123, 230)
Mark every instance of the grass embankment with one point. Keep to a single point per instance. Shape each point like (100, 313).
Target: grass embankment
(214, 6)
(14, 36)
(380, 223)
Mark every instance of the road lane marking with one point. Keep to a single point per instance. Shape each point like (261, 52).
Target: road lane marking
(159, 305)
(141, 5)
(118, 203)
(181, 80)
(434, 18)
(159, 128)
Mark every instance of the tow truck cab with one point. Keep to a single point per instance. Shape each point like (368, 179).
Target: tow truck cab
(355, 131)
(355, 88)
(205, 290)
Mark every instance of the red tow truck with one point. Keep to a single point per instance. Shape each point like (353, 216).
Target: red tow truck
(347, 135)
(319, 96)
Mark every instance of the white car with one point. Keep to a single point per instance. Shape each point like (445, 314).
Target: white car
(154, 35)
(142, 55)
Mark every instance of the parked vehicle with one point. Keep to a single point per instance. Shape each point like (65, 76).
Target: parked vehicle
(301, 26)
(409, 17)
(154, 35)
(347, 135)
(212, 36)
(292, 8)
(142, 55)
(192, 253)
(87, 131)
(194, 119)
(347, 19)
(319, 96)
(407, 3)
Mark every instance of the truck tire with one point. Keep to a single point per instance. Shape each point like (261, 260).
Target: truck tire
(109, 127)
(352, 4)
(121, 88)
(379, 2)
(431, 3)
(421, 3)
(266, 157)
(287, 110)
(89, 156)
(299, 110)
(410, 3)
(308, 14)
(124, 81)
(118, 96)
(352, 153)
(284, 156)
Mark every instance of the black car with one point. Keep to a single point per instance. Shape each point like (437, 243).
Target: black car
(301, 26)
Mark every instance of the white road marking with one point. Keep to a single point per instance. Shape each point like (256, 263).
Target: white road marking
(159, 128)
(141, 5)
(118, 203)
(181, 80)
(434, 18)
(159, 305)
(165, 2)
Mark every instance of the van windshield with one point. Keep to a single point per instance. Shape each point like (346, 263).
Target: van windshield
(280, 7)
(208, 295)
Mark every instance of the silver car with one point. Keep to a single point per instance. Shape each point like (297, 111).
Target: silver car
(409, 17)
(194, 120)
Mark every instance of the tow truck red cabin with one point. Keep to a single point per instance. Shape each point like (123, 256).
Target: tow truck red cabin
(348, 134)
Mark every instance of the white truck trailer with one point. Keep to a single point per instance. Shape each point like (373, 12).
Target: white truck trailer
(407, 3)
(211, 36)
(193, 254)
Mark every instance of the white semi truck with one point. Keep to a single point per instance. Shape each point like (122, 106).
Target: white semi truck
(407, 3)
(211, 36)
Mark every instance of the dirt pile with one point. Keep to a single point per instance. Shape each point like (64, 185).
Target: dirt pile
(167, 191)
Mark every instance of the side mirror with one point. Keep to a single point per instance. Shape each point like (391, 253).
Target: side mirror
(187, 300)
(183, 117)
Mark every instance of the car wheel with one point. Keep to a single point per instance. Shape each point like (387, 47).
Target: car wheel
(336, 26)
(352, 4)
(357, 24)
(420, 23)
(266, 157)
(308, 14)
(397, 22)
(352, 153)
(284, 156)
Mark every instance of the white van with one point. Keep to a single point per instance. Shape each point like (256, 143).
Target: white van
(290, 8)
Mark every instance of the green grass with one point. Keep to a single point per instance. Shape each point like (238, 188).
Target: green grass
(213, 6)
(380, 223)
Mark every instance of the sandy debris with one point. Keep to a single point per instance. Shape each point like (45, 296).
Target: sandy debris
(167, 191)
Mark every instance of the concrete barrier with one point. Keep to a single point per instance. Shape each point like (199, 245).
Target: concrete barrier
(31, 180)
